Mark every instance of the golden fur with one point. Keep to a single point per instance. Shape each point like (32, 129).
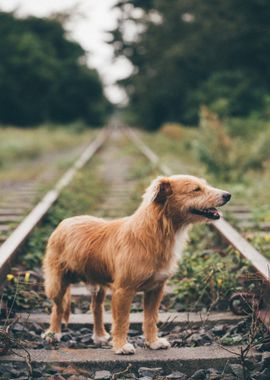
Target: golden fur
(136, 253)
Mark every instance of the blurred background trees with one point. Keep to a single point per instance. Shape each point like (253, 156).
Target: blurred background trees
(43, 75)
(186, 53)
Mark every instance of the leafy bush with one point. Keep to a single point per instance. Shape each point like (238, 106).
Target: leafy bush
(214, 146)
(230, 157)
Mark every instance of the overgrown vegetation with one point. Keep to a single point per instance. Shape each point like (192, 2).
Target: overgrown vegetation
(209, 273)
(227, 153)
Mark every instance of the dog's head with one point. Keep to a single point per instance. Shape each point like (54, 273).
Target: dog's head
(187, 198)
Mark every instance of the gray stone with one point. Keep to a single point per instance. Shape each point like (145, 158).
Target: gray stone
(237, 370)
(37, 373)
(87, 338)
(66, 337)
(133, 332)
(103, 375)
(199, 375)
(127, 375)
(150, 372)
(18, 327)
(219, 330)
(72, 343)
(264, 375)
(5, 376)
(85, 330)
(37, 328)
(228, 376)
(17, 372)
(265, 362)
(177, 376)
(213, 374)
(199, 339)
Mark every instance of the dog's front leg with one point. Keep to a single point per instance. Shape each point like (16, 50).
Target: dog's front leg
(152, 300)
(121, 302)
(100, 335)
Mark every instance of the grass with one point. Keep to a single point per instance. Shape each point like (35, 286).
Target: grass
(24, 153)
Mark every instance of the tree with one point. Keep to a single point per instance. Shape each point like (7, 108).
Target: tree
(42, 76)
(191, 52)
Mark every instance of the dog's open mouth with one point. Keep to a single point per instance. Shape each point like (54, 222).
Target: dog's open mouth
(210, 213)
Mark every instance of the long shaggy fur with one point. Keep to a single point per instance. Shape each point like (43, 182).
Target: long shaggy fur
(136, 253)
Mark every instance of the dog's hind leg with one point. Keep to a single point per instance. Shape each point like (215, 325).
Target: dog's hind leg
(56, 288)
(121, 302)
(152, 300)
(100, 335)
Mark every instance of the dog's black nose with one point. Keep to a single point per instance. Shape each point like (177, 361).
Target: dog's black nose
(226, 197)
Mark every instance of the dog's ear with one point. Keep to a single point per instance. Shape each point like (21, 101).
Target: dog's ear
(164, 190)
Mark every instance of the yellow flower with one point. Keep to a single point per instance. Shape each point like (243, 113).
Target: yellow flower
(27, 277)
(219, 282)
(10, 277)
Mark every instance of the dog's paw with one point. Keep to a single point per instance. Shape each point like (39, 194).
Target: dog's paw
(51, 337)
(99, 339)
(126, 349)
(160, 343)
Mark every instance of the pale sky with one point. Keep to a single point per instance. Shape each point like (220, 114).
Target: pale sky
(89, 29)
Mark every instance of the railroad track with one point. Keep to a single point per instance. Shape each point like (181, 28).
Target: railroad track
(254, 229)
(198, 339)
(18, 196)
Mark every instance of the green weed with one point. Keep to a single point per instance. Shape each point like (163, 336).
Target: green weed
(208, 274)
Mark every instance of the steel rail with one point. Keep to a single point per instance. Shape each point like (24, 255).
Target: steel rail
(10, 247)
(229, 233)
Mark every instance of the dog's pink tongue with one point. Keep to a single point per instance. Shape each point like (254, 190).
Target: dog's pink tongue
(214, 211)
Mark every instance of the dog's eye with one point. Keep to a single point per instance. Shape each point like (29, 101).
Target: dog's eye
(197, 189)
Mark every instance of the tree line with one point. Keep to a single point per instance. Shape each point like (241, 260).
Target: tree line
(186, 53)
(44, 76)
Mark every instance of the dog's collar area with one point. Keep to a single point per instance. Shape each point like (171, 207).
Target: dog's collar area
(210, 213)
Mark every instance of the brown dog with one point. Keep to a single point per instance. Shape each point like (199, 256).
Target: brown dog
(136, 253)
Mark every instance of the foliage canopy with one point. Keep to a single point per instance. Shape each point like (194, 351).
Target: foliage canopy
(43, 75)
(186, 53)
